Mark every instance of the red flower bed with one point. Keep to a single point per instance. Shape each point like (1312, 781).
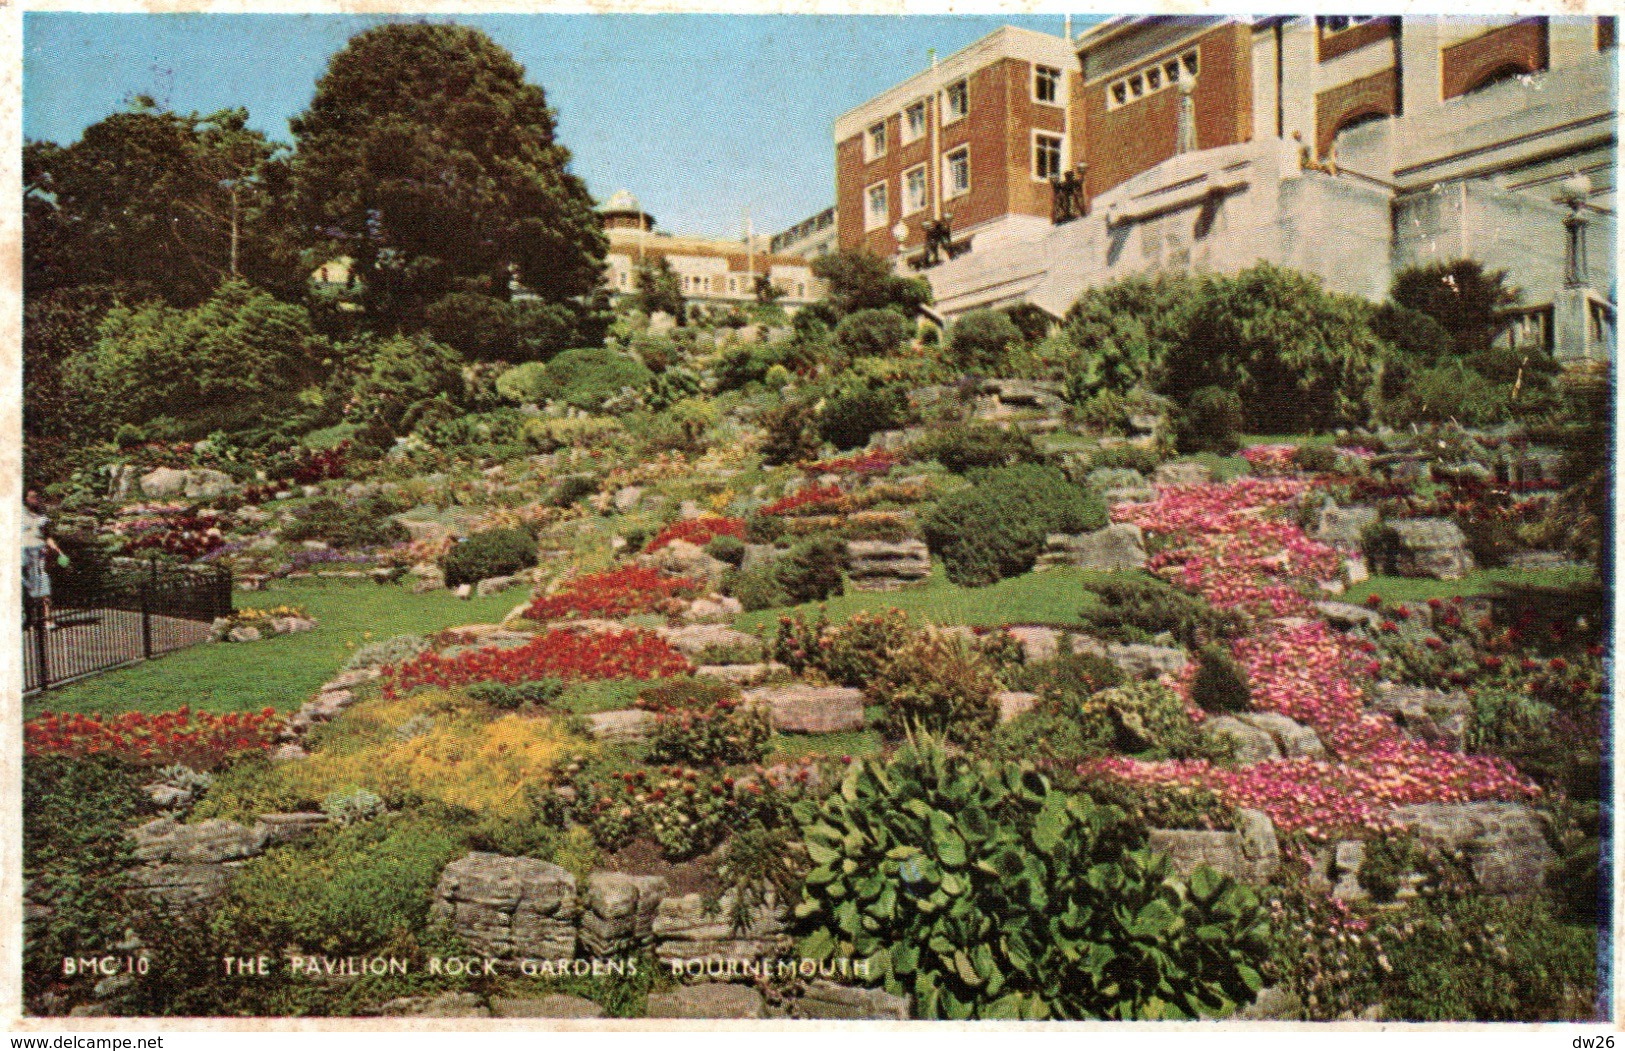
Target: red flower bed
(615, 593)
(811, 500)
(699, 531)
(201, 740)
(563, 653)
(861, 463)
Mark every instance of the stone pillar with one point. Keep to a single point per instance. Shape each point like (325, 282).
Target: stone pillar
(1575, 191)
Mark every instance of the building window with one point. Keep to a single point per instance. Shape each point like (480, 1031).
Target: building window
(957, 163)
(1148, 80)
(874, 141)
(958, 95)
(1047, 152)
(1330, 24)
(914, 195)
(874, 207)
(914, 122)
(1047, 85)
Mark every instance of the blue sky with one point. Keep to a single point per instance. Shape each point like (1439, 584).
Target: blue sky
(701, 116)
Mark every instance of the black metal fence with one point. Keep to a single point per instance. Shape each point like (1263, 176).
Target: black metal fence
(129, 615)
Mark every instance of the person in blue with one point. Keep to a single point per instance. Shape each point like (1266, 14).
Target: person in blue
(37, 548)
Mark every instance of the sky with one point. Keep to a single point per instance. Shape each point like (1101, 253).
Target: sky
(702, 117)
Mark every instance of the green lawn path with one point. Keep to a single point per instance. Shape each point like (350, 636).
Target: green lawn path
(283, 671)
(1478, 582)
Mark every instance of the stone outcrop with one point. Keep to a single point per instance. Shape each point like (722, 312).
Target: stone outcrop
(182, 886)
(691, 640)
(685, 930)
(509, 908)
(684, 559)
(713, 609)
(1249, 744)
(624, 724)
(826, 1000)
(879, 565)
(1181, 473)
(495, 585)
(1259, 737)
(1430, 547)
(1143, 661)
(1344, 527)
(1347, 615)
(1250, 855)
(1014, 703)
(197, 484)
(738, 674)
(1435, 716)
(618, 913)
(708, 1000)
(317, 710)
(284, 828)
(803, 708)
(1504, 842)
(1117, 548)
(167, 841)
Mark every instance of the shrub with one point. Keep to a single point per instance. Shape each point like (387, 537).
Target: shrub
(871, 333)
(704, 723)
(1450, 392)
(362, 524)
(791, 434)
(980, 891)
(727, 548)
(812, 570)
(1142, 718)
(1075, 675)
(1212, 422)
(1147, 805)
(588, 376)
(936, 683)
(853, 414)
(861, 280)
(511, 696)
(1125, 458)
(342, 891)
(854, 652)
(961, 447)
(1315, 458)
(1137, 609)
(979, 342)
(1121, 334)
(493, 553)
(1220, 685)
(756, 588)
(353, 806)
(573, 488)
(996, 528)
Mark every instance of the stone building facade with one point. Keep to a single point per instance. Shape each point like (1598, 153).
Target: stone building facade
(1344, 146)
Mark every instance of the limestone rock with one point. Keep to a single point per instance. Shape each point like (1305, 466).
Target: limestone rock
(167, 796)
(1117, 548)
(444, 1005)
(1344, 527)
(463, 591)
(1037, 643)
(1144, 661)
(197, 484)
(426, 576)
(694, 639)
(1013, 704)
(184, 886)
(738, 674)
(495, 585)
(713, 609)
(243, 633)
(1504, 842)
(1435, 716)
(684, 559)
(626, 724)
(1251, 744)
(1431, 547)
(281, 828)
(627, 497)
(205, 843)
(685, 930)
(1294, 740)
(1250, 856)
(617, 917)
(802, 708)
(708, 1000)
(1346, 860)
(1184, 472)
(878, 565)
(1128, 494)
(826, 1000)
(1347, 615)
(553, 1005)
(509, 908)
(351, 679)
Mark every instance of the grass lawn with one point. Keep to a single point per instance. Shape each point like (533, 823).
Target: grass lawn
(1052, 597)
(282, 671)
(1478, 582)
(790, 747)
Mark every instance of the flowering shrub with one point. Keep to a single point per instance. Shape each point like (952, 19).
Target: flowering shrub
(200, 740)
(937, 683)
(697, 531)
(572, 656)
(815, 499)
(685, 811)
(614, 593)
(859, 463)
(182, 533)
(704, 723)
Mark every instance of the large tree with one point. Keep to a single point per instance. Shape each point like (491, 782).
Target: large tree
(427, 159)
(154, 204)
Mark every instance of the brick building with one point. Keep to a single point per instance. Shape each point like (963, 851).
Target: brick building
(1344, 146)
(709, 270)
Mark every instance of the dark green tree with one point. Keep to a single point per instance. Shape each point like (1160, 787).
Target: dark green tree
(659, 289)
(863, 281)
(427, 159)
(1465, 299)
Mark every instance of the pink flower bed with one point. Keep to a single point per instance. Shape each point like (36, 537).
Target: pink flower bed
(1224, 542)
